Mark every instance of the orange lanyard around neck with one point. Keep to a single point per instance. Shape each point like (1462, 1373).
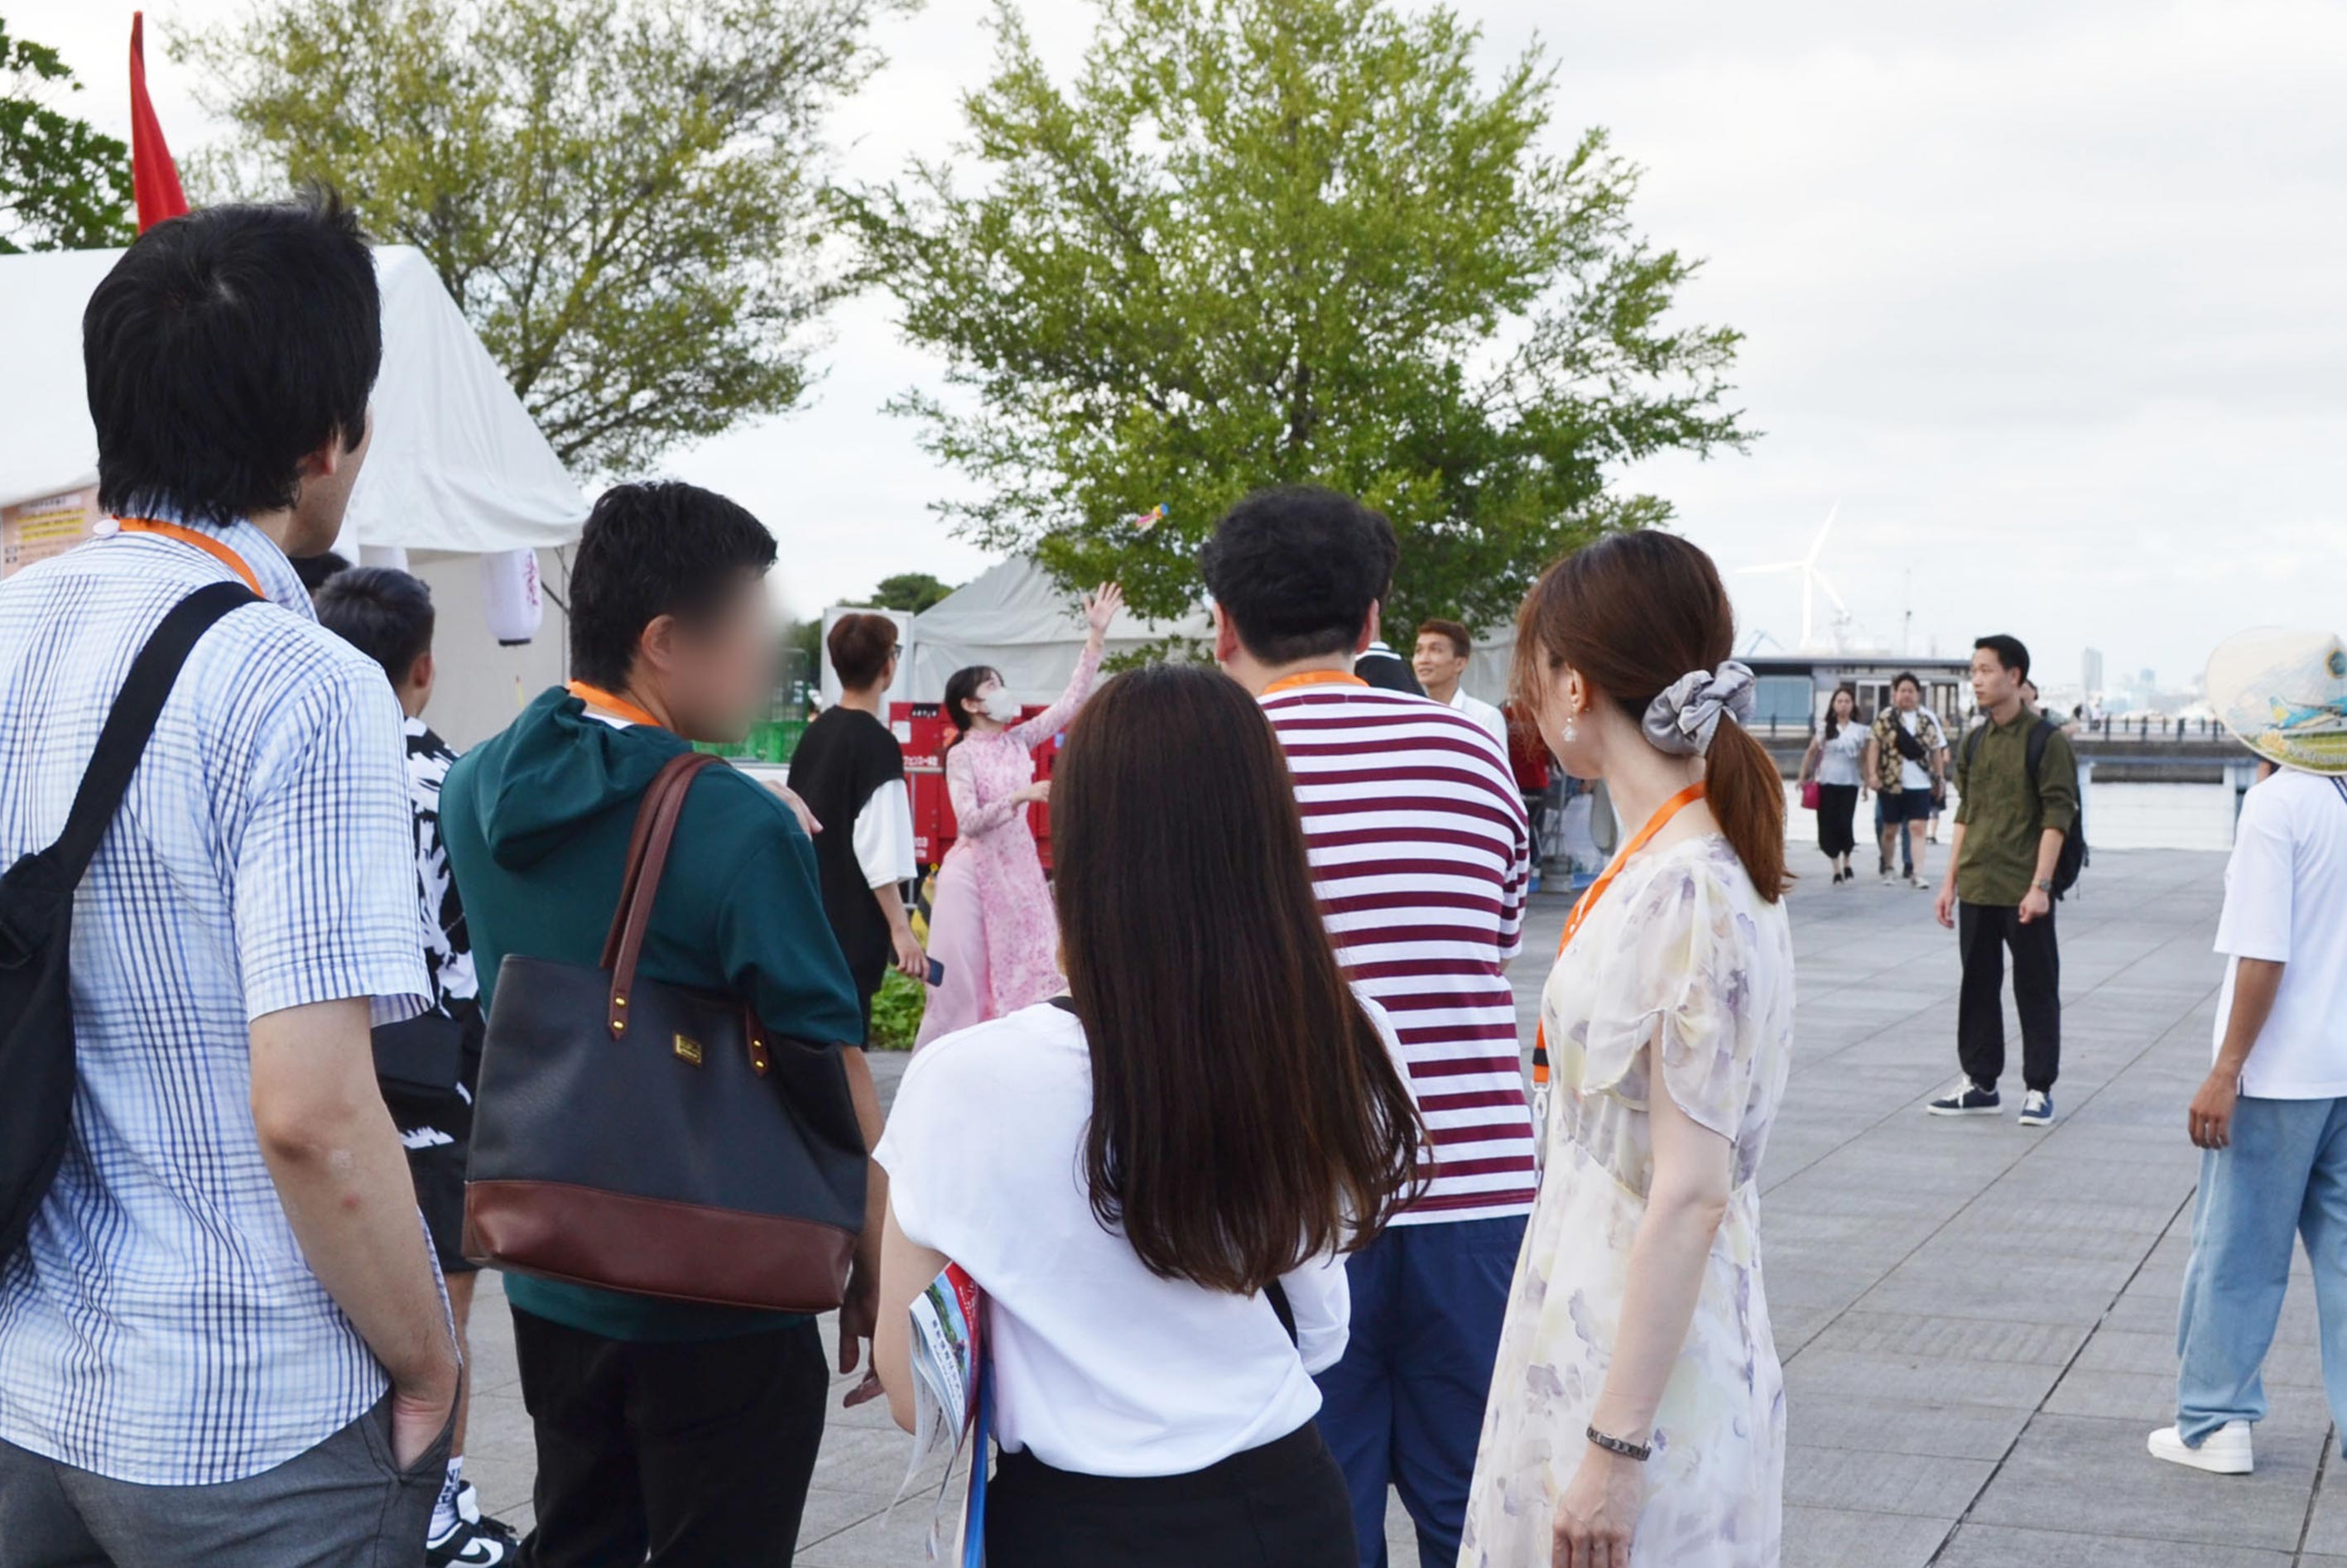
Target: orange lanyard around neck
(1313, 677)
(204, 542)
(612, 703)
(1588, 901)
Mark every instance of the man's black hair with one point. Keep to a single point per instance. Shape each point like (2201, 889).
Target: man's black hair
(1906, 678)
(384, 613)
(314, 571)
(2009, 651)
(650, 550)
(1297, 570)
(223, 348)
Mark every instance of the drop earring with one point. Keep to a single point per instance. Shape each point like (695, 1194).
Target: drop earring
(1571, 733)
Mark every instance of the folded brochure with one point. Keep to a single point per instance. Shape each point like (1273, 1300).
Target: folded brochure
(952, 1404)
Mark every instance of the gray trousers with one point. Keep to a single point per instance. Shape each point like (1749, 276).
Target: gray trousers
(341, 1505)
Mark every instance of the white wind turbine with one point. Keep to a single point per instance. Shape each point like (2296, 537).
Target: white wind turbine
(1812, 579)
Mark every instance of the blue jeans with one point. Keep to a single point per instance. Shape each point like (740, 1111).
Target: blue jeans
(2284, 1174)
(1405, 1405)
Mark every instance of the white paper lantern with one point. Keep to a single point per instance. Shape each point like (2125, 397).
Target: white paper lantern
(509, 596)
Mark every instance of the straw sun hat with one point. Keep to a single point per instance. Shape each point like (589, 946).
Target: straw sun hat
(2284, 694)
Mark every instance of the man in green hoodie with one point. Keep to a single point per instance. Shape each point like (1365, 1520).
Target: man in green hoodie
(682, 1432)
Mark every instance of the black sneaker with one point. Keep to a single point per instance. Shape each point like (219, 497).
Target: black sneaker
(1970, 1099)
(2038, 1109)
(479, 1541)
(470, 1546)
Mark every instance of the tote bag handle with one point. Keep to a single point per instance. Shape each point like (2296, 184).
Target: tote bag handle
(648, 849)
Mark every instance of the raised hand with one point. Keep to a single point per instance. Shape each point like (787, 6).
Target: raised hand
(1101, 606)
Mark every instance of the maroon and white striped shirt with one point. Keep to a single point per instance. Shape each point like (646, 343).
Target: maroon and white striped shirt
(1420, 854)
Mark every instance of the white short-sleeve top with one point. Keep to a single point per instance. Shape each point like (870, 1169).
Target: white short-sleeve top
(2286, 902)
(1100, 1366)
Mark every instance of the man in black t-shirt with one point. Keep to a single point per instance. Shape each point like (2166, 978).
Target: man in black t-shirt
(850, 772)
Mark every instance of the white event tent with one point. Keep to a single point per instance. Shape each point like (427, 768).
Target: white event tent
(457, 470)
(1013, 616)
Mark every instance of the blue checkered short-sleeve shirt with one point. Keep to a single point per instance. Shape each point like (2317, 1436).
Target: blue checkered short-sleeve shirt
(160, 1324)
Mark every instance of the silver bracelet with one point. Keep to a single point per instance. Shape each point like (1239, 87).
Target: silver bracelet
(1628, 1449)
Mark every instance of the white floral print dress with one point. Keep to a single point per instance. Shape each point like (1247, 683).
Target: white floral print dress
(1681, 962)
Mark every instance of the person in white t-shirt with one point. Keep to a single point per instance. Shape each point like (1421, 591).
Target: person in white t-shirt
(1441, 660)
(1156, 1181)
(2271, 1119)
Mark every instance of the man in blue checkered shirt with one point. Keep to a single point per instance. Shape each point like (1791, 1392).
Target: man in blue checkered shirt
(223, 1339)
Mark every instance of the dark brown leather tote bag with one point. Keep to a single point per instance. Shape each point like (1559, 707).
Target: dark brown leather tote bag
(648, 1138)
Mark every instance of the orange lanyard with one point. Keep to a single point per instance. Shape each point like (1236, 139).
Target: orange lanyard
(1313, 677)
(596, 697)
(1655, 825)
(204, 542)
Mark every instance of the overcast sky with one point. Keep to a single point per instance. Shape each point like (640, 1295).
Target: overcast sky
(2047, 295)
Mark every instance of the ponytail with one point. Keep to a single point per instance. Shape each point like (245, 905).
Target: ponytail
(1747, 793)
(1643, 617)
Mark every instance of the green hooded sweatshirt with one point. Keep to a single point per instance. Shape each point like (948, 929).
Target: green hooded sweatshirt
(537, 822)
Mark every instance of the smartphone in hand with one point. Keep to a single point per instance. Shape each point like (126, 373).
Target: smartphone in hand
(936, 973)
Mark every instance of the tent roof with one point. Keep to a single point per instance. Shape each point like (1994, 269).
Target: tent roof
(457, 464)
(1012, 616)
(1015, 603)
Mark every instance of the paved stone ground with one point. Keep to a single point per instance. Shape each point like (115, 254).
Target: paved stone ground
(1977, 1322)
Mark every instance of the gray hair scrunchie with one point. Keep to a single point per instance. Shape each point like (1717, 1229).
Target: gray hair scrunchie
(1684, 720)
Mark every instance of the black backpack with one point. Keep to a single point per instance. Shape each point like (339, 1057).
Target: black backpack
(36, 898)
(2073, 858)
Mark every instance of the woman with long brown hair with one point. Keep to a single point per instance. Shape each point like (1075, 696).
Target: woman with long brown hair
(1153, 1178)
(1637, 1408)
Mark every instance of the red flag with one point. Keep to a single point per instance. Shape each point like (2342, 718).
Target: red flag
(154, 180)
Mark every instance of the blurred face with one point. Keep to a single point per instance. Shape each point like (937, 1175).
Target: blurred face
(1437, 662)
(1845, 705)
(1909, 696)
(717, 673)
(1994, 685)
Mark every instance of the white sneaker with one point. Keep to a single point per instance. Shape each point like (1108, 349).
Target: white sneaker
(2225, 1451)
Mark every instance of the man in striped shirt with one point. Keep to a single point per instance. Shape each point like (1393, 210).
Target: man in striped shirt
(1420, 854)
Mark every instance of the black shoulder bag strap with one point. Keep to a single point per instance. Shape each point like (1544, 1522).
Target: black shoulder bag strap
(36, 894)
(2041, 735)
(131, 721)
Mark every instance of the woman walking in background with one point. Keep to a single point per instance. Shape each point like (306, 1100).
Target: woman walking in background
(990, 927)
(1132, 1175)
(1638, 1411)
(1834, 762)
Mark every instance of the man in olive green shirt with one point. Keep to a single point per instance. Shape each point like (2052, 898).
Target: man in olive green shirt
(1999, 891)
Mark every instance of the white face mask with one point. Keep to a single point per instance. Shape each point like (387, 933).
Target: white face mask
(1001, 706)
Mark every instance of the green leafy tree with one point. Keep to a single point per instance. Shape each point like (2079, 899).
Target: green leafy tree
(1273, 240)
(622, 196)
(909, 590)
(63, 186)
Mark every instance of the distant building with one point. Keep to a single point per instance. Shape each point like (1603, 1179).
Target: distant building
(1793, 690)
(2092, 674)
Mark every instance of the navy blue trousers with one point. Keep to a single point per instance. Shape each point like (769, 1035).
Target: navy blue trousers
(1405, 1405)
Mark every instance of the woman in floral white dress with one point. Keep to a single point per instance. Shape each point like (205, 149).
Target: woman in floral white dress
(1637, 1413)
